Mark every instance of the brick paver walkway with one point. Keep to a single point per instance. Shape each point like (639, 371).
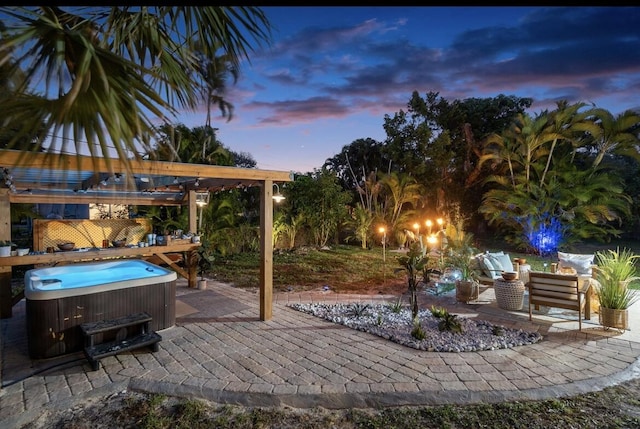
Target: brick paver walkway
(298, 360)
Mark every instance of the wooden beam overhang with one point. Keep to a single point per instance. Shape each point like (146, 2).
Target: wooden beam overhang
(35, 177)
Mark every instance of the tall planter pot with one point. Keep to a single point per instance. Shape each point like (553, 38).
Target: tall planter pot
(614, 318)
(466, 290)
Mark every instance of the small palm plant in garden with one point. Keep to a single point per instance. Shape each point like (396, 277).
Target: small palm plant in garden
(448, 322)
(358, 309)
(417, 332)
(413, 264)
(396, 306)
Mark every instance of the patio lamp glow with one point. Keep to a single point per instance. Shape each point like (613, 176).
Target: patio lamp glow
(277, 197)
(383, 231)
(202, 199)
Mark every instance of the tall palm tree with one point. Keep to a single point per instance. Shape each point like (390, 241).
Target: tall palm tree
(215, 73)
(611, 134)
(178, 143)
(564, 123)
(547, 181)
(402, 194)
(103, 74)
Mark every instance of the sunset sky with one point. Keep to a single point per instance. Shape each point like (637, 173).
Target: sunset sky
(332, 73)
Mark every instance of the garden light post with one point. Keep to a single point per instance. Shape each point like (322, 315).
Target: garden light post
(383, 231)
(384, 241)
(442, 232)
(432, 240)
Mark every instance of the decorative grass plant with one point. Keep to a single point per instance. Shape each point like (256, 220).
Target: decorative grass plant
(616, 270)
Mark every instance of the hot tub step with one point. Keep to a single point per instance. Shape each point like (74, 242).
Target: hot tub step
(92, 328)
(136, 327)
(97, 352)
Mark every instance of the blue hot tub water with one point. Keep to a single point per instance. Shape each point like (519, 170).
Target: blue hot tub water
(83, 277)
(101, 274)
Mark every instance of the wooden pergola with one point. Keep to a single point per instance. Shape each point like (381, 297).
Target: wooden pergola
(42, 178)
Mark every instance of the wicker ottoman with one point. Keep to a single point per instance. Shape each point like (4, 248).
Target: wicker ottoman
(509, 293)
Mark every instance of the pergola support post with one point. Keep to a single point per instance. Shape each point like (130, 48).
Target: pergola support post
(6, 298)
(192, 257)
(266, 251)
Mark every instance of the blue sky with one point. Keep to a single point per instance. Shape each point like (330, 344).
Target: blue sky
(333, 73)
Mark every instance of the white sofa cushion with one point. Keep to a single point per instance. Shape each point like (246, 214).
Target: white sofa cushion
(582, 263)
(505, 262)
(494, 263)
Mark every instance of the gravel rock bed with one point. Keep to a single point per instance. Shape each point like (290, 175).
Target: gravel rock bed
(396, 325)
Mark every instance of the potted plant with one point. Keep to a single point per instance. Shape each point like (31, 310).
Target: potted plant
(467, 287)
(615, 270)
(460, 252)
(5, 247)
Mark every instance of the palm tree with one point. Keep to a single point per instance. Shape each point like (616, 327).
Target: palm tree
(402, 194)
(361, 221)
(215, 74)
(109, 71)
(564, 123)
(546, 183)
(611, 134)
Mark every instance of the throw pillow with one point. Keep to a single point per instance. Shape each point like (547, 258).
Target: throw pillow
(580, 262)
(477, 265)
(486, 265)
(494, 263)
(505, 262)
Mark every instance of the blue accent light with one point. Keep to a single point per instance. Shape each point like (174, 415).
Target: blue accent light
(545, 238)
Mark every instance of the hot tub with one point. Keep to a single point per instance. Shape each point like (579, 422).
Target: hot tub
(59, 299)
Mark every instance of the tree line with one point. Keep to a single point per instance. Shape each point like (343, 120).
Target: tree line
(539, 181)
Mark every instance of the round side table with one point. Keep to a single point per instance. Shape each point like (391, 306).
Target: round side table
(509, 293)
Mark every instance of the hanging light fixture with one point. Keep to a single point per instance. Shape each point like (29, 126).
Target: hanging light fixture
(277, 197)
(202, 199)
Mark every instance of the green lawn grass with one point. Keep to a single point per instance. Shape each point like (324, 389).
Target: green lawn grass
(346, 268)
